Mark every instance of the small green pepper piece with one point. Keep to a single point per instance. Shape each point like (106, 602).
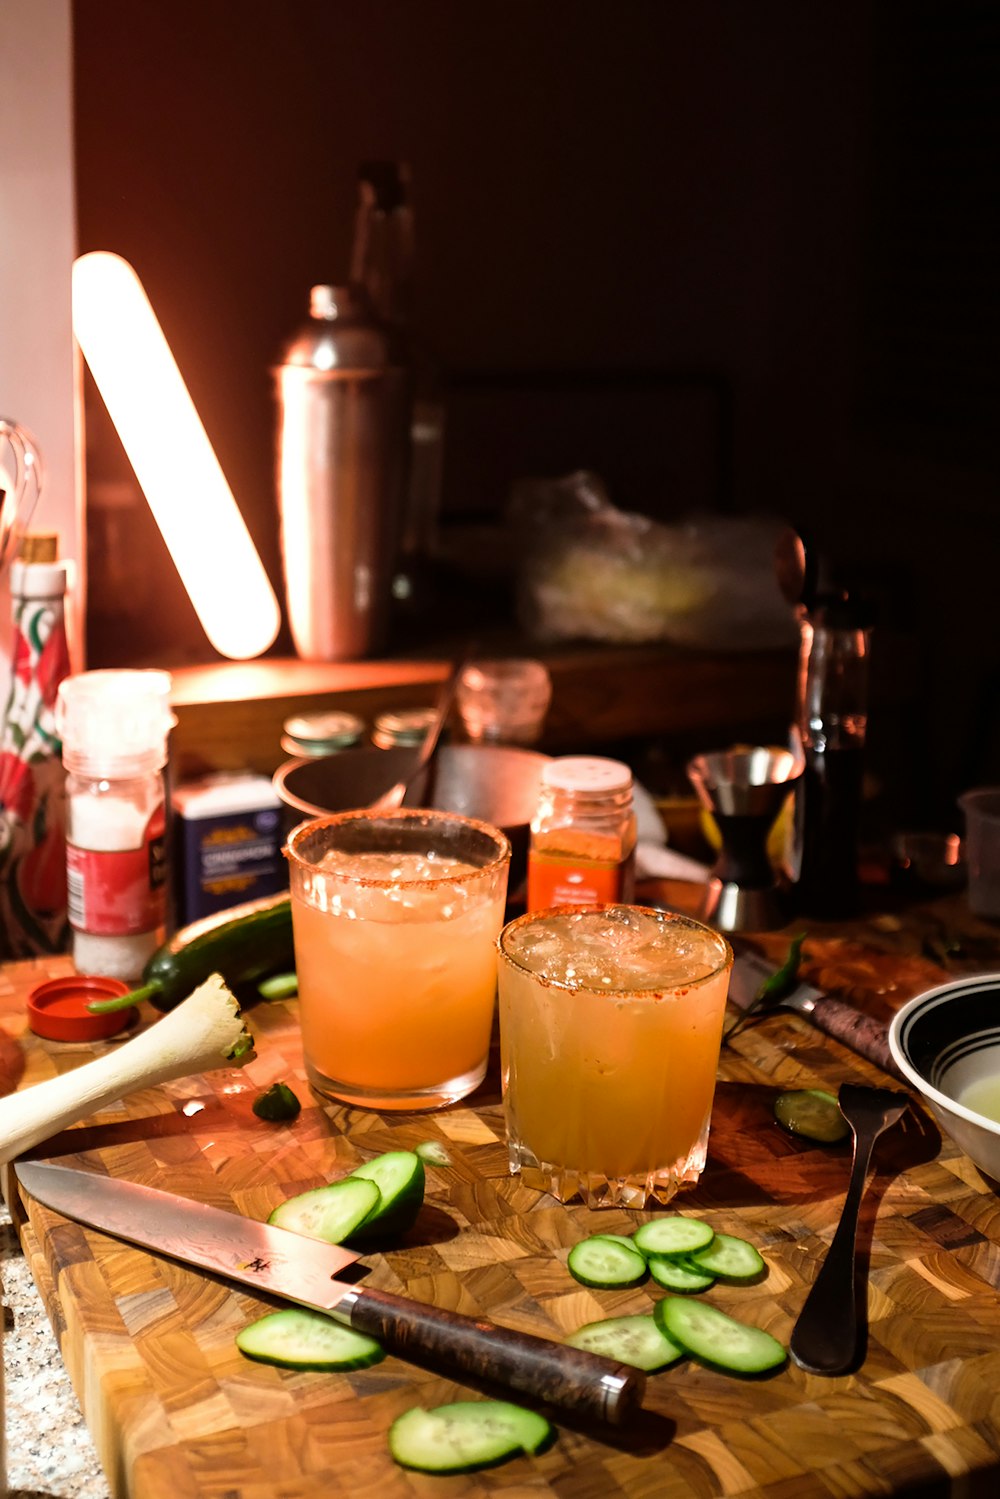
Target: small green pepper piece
(776, 987)
(277, 1103)
(782, 980)
(243, 1045)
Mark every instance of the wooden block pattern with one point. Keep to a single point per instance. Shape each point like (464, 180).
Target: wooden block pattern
(177, 1413)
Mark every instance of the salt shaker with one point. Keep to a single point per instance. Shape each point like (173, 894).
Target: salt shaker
(114, 727)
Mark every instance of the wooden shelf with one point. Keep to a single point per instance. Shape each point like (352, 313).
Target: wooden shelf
(230, 715)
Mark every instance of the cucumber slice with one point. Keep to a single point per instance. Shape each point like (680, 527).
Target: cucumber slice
(330, 1213)
(679, 1274)
(716, 1339)
(630, 1340)
(673, 1235)
(467, 1435)
(278, 986)
(729, 1258)
(606, 1262)
(300, 1339)
(434, 1153)
(399, 1176)
(813, 1113)
(625, 1239)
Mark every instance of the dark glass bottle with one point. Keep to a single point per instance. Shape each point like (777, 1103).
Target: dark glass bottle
(382, 247)
(831, 719)
(383, 260)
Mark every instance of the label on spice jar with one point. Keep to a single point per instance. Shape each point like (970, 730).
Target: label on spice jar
(555, 881)
(116, 892)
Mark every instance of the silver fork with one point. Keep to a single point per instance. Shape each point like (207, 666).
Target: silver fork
(825, 1338)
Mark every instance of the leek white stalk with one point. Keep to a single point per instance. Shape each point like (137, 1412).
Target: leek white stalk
(204, 1032)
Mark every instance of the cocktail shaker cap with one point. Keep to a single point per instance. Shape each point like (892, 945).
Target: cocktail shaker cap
(343, 335)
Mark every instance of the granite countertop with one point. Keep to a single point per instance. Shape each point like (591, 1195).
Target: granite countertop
(50, 1454)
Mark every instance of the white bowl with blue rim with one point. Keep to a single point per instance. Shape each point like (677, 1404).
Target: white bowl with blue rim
(946, 1043)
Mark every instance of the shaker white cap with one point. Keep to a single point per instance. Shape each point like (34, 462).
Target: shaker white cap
(586, 773)
(38, 580)
(115, 722)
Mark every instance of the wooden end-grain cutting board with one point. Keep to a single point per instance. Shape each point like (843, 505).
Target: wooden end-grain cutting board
(177, 1413)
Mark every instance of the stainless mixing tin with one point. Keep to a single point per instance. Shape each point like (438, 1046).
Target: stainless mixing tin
(344, 410)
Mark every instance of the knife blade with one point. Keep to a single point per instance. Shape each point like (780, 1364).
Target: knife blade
(858, 1032)
(276, 1262)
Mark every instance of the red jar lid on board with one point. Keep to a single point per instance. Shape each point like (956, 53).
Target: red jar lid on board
(58, 1010)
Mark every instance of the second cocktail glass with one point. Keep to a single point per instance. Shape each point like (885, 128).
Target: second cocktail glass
(610, 1026)
(395, 918)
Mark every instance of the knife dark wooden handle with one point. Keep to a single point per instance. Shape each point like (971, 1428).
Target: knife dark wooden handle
(570, 1378)
(859, 1032)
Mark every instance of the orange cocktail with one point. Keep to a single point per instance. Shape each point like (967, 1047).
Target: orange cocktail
(395, 917)
(610, 1026)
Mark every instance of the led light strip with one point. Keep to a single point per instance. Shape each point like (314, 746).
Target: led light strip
(174, 462)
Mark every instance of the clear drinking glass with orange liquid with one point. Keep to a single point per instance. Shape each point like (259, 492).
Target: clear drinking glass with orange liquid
(395, 917)
(610, 1028)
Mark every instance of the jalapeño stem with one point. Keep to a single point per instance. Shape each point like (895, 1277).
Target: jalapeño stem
(123, 1001)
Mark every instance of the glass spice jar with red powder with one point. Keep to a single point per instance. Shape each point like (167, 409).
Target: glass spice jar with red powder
(582, 850)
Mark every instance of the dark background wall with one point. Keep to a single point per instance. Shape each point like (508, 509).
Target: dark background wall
(789, 206)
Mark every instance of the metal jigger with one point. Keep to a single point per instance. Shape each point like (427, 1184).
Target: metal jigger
(744, 789)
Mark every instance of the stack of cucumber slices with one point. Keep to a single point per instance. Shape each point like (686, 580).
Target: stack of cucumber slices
(377, 1203)
(381, 1199)
(683, 1255)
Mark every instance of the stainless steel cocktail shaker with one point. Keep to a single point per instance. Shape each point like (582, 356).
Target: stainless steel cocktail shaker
(344, 410)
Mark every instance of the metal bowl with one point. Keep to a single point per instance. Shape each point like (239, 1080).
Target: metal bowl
(946, 1042)
(495, 783)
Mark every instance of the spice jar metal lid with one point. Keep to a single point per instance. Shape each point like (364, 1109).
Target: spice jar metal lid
(586, 773)
(58, 1009)
(405, 728)
(321, 733)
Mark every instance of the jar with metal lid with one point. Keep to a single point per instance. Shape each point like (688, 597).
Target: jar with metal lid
(396, 730)
(314, 734)
(582, 850)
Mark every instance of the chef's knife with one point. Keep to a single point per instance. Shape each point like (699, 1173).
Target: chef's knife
(855, 1030)
(275, 1262)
